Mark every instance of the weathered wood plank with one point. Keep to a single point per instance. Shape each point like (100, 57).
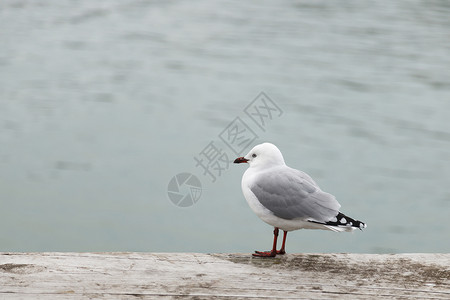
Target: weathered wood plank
(223, 276)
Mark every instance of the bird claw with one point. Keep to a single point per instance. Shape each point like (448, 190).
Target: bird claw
(268, 253)
(265, 253)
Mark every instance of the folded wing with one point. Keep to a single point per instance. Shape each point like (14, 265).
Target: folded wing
(292, 194)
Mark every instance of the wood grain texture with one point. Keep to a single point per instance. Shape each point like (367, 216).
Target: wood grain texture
(223, 276)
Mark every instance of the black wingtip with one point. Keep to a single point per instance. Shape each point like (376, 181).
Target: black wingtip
(362, 225)
(342, 220)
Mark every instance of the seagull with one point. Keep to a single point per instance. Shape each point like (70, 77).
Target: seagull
(288, 199)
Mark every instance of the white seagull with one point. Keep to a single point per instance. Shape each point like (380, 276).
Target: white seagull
(287, 198)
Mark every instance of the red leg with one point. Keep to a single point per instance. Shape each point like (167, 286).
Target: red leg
(282, 250)
(273, 252)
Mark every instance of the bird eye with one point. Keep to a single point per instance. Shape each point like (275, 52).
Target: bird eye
(253, 155)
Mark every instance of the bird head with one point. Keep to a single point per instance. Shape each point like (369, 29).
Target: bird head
(262, 155)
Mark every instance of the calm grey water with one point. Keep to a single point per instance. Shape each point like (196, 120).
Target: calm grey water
(102, 103)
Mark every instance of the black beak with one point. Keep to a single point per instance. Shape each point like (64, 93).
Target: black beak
(240, 160)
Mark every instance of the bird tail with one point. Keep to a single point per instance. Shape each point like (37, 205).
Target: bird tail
(342, 223)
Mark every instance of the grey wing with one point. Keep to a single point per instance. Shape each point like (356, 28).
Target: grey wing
(304, 176)
(290, 195)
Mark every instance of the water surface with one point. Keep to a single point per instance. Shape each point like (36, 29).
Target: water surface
(101, 104)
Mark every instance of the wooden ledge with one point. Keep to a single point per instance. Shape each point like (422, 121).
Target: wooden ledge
(223, 276)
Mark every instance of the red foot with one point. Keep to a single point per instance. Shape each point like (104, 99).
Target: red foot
(281, 252)
(268, 253)
(274, 251)
(265, 253)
